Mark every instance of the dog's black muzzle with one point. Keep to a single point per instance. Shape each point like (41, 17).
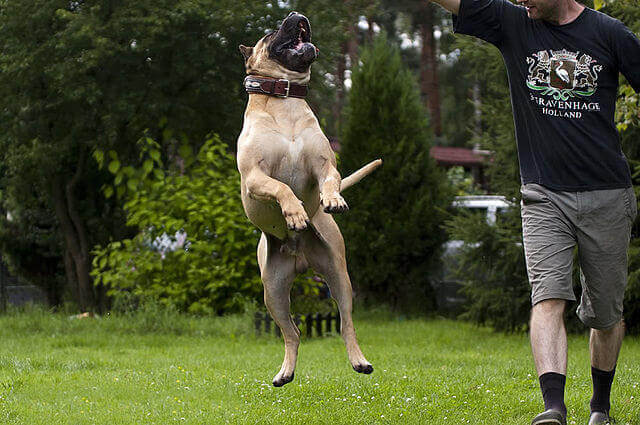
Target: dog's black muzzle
(292, 45)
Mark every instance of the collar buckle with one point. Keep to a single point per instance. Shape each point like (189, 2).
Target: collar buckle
(286, 89)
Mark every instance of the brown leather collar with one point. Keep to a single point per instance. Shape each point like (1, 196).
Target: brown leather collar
(274, 87)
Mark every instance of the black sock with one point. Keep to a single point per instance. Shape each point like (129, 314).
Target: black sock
(552, 386)
(601, 389)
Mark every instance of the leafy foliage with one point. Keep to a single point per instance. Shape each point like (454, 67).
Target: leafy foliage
(493, 268)
(393, 233)
(491, 263)
(628, 107)
(195, 249)
(462, 182)
(75, 75)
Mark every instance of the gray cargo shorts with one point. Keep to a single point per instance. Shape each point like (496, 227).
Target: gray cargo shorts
(597, 222)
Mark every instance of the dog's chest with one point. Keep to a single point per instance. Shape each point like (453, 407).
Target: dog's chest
(289, 162)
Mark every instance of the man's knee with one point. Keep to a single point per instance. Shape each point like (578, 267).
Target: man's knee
(619, 326)
(550, 306)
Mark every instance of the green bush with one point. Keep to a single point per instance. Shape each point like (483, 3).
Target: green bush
(632, 296)
(195, 249)
(394, 231)
(492, 269)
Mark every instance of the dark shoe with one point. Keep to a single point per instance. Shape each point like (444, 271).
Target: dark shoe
(549, 417)
(599, 418)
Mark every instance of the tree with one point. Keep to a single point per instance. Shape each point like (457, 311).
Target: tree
(79, 75)
(336, 33)
(491, 263)
(628, 118)
(393, 233)
(423, 17)
(327, 78)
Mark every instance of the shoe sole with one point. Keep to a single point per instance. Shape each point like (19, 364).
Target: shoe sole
(547, 422)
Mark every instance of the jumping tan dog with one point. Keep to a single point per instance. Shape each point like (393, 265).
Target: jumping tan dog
(288, 171)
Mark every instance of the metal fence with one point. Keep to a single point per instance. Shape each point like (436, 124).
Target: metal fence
(15, 292)
(309, 324)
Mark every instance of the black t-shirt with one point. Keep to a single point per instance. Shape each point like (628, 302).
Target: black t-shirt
(564, 82)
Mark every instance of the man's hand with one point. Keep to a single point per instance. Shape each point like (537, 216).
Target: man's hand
(452, 6)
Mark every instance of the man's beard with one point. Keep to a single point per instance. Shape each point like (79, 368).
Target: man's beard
(544, 13)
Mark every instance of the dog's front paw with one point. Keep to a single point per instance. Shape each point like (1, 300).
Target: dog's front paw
(334, 203)
(295, 215)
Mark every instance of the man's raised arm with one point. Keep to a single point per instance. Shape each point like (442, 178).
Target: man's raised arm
(452, 6)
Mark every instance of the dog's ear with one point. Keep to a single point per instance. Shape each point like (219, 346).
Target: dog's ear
(246, 51)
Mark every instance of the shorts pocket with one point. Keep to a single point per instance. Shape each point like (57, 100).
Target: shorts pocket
(533, 194)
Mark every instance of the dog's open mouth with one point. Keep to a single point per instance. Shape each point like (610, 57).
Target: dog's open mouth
(303, 35)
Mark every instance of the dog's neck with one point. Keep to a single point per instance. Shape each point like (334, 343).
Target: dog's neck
(269, 86)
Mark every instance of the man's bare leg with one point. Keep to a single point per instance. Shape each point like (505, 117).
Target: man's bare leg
(604, 346)
(549, 347)
(549, 337)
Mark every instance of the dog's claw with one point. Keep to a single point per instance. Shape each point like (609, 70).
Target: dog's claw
(295, 216)
(334, 204)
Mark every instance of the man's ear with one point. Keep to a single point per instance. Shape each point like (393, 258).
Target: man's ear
(246, 51)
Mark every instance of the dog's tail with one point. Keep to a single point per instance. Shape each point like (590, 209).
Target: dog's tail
(360, 174)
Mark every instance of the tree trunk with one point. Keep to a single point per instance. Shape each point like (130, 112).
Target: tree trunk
(352, 31)
(77, 265)
(429, 69)
(370, 33)
(69, 271)
(352, 46)
(340, 94)
(477, 108)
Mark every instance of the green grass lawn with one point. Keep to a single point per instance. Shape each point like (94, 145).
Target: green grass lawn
(162, 368)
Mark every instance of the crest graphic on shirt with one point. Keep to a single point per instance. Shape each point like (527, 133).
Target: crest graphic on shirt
(563, 74)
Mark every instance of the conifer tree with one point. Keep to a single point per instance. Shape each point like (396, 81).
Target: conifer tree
(394, 231)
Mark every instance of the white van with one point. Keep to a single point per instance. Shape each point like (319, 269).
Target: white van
(490, 205)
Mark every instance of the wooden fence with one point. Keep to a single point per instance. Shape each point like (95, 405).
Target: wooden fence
(309, 324)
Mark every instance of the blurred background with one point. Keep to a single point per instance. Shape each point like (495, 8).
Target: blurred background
(118, 183)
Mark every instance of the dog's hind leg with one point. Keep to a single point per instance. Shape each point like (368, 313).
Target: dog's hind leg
(277, 270)
(325, 253)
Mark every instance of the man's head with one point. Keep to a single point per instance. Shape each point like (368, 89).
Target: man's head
(285, 53)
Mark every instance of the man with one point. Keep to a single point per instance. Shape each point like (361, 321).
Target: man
(563, 61)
